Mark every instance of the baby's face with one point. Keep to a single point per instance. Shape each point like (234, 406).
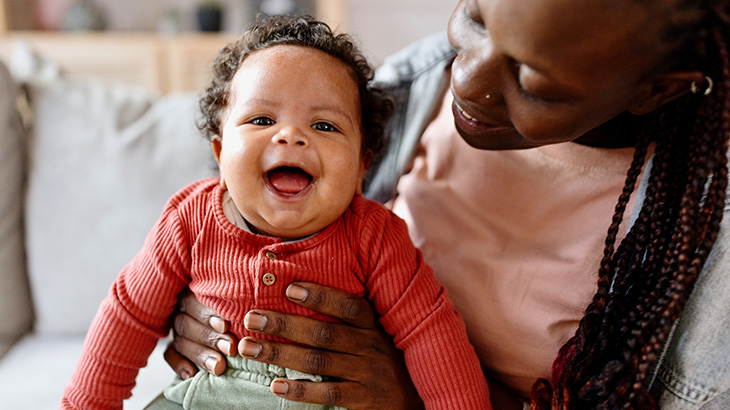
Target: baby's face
(290, 154)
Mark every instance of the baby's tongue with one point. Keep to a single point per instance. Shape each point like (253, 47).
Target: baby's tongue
(289, 180)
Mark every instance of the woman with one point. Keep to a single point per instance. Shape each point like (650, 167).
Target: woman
(558, 95)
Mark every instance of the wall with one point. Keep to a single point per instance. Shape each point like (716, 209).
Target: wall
(382, 26)
(385, 26)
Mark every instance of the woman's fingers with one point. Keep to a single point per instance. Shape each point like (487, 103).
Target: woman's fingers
(189, 304)
(190, 328)
(350, 395)
(200, 337)
(377, 380)
(336, 303)
(301, 358)
(183, 367)
(202, 355)
(311, 332)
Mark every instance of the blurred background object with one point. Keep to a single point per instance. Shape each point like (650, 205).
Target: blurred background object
(382, 26)
(83, 15)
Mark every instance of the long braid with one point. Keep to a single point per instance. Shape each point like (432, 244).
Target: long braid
(644, 284)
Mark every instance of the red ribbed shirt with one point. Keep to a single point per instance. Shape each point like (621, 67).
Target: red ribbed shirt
(367, 252)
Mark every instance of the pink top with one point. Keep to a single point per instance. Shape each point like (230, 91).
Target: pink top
(367, 251)
(517, 254)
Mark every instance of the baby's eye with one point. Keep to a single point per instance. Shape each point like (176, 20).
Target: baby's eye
(262, 121)
(324, 126)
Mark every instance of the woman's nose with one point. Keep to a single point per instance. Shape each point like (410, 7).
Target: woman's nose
(291, 136)
(477, 74)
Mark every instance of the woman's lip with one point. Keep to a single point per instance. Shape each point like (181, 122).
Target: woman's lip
(469, 123)
(471, 118)
(481, 135)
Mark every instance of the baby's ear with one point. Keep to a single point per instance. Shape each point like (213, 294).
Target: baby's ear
(216, 144)
(667, 87)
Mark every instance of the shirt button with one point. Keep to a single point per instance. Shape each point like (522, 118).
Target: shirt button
(268, 278)
(271, 255)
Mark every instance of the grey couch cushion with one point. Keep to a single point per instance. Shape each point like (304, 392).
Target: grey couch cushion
(104, 159)
(15, 302)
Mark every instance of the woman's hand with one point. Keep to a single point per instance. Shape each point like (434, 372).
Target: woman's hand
(371, 372)
(200, 337)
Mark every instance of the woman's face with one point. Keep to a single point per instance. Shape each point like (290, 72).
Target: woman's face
(536, 72)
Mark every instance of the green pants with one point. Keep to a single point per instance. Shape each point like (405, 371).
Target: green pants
(244, 385)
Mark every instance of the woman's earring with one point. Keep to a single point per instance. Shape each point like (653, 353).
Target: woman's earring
(707, 90)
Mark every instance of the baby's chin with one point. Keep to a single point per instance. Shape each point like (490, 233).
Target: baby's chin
(289, 231)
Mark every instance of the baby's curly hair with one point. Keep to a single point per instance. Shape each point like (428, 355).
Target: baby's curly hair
(375, 107)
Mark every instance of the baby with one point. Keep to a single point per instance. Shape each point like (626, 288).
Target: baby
(293, 125)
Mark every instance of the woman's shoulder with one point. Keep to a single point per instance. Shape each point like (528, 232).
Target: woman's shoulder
(694, 372)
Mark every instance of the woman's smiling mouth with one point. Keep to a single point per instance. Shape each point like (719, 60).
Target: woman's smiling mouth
(481, 135)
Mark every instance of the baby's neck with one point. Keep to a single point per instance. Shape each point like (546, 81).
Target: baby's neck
(254, 230)
(233, 215)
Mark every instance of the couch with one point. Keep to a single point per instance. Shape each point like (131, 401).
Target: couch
(85, 169)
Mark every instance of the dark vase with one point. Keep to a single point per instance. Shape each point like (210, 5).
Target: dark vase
(209, 19)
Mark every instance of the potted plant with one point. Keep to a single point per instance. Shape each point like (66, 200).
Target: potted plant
(209, 15)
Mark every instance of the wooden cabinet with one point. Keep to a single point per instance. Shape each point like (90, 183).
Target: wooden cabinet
(160, 63)
(164, 63)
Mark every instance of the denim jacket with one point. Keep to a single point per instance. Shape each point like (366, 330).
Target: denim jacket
(694, 369)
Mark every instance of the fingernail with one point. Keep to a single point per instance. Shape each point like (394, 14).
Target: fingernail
(210, 364)
(217, 324)
(255, 321)
(249, 348)
(225, 346)
(280, 387)
(184, 375)
(296, 292)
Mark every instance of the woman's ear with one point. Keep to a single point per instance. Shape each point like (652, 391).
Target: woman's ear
(667, 87)
(217, 146)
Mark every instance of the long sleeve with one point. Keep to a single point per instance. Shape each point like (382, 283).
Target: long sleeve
(415, 309)
(134, 315)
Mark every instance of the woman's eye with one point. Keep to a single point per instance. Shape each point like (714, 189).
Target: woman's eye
(527, 94)
(524, 92)
(262, 121)
(324, 126)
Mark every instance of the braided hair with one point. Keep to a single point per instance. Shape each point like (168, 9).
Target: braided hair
(645, 282)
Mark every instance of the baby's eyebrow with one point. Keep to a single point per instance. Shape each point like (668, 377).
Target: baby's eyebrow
(334, 109)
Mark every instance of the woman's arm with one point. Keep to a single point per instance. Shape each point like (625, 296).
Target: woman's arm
(371, 371)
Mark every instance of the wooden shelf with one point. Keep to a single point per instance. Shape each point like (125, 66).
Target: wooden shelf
(164, 64)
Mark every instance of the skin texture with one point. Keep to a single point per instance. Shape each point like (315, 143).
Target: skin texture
(283, 116)
(553, 73)
(545, 79)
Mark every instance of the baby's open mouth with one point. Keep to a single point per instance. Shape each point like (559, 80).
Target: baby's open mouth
(289, 181)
